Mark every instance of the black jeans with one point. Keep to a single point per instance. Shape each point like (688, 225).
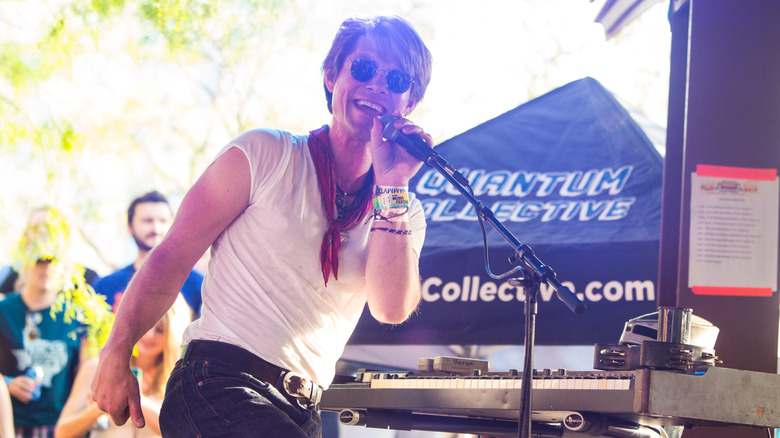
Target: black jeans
(206, 398)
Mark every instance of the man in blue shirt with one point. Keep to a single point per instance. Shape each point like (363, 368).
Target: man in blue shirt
(148, 219)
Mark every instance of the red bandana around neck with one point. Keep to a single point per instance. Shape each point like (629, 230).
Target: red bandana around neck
(319, 147)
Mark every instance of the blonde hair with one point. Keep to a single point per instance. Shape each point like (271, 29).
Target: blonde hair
(174, 322)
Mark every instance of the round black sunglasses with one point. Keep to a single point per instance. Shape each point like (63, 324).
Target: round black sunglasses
(364, 70)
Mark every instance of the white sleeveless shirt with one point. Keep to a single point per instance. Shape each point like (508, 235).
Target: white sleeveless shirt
(263, 289)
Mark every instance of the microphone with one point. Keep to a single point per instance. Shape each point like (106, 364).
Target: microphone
(417, 147)
(413, 143)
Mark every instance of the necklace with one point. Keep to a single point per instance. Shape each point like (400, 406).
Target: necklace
(344, 205)
(343, 202)
(319, 147)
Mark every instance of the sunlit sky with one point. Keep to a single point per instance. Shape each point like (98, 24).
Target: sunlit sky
(489, 57)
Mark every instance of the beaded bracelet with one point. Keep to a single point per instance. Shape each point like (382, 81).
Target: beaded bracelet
(392, 230)
(392, 214)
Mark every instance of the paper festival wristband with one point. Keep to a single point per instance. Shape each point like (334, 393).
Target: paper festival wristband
(395, 200)
(391, 203)
(381, 190)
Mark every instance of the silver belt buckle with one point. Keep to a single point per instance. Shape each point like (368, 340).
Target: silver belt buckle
(302, 388)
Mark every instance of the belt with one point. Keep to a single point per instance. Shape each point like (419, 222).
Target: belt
(303, 389)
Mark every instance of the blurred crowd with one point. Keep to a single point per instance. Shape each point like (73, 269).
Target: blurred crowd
(54, 316)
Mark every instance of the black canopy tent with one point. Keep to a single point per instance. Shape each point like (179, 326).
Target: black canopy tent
(572, 175)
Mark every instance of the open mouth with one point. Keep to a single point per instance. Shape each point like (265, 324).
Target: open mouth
(370, 106)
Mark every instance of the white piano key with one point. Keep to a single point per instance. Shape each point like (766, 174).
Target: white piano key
(567, 384)
(400, 381)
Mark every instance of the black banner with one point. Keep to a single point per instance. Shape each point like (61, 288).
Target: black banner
(572, 175)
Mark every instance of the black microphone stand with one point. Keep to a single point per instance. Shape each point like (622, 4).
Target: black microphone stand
(534, 274)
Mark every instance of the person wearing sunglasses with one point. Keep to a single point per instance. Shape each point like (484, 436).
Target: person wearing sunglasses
(40, 349)
(304, 231)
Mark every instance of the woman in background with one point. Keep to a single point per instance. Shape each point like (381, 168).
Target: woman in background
(157, 352)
